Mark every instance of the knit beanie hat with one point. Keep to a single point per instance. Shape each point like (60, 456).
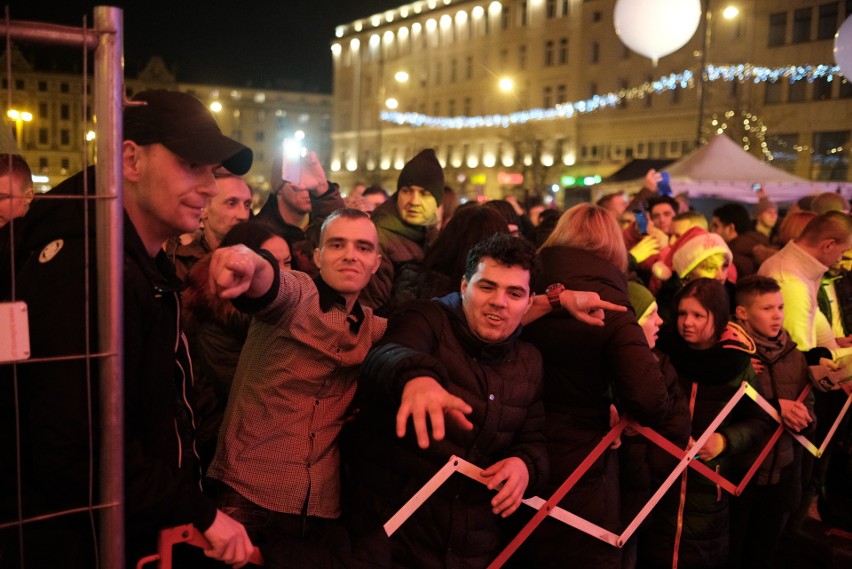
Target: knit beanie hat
(763, 205)
(688, 252)
(425, 171)
(641, 299)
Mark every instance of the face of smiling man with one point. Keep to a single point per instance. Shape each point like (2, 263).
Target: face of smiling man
(495, 299)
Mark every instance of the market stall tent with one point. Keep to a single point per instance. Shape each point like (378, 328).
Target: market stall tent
(722, 170)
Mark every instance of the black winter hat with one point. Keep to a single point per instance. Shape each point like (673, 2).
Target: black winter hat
(425, 171)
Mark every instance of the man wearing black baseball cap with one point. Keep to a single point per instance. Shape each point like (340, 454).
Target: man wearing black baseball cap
(170, 149)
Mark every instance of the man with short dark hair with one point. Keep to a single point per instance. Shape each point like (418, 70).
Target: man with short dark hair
(296, 210)
(662, 210)
(231, 205)
(733, 223)
(458, 355)
(171, 147)
(277, 459)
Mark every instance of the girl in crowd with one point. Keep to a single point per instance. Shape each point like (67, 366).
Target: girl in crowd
(712, 359)
(217, 331)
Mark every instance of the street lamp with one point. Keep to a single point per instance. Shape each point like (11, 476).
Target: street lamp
(216, 106)
(20, 117)
(729, 13)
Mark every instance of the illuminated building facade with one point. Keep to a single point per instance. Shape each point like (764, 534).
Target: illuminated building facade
(469, 60)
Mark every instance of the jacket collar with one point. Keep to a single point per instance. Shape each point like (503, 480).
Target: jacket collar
(489, 351)
(329, 298)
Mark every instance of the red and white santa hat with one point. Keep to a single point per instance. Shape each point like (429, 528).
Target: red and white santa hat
(689, 251)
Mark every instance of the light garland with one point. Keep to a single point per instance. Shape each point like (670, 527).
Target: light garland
(683, 80)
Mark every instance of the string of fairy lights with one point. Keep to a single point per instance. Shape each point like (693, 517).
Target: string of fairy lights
(682, 80)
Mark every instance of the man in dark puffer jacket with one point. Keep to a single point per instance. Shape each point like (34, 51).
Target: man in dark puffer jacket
(461, 353)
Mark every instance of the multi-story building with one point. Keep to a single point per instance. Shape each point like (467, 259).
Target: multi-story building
(471, 59)
(54, 139)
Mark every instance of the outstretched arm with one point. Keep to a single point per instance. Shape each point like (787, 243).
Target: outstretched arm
(583, 305)
(237, 270)
(424, 397)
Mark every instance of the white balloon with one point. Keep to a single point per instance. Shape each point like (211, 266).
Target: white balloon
(843, 48)
(655, 28)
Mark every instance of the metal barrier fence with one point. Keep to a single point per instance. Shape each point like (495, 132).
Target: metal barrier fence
(105, 41)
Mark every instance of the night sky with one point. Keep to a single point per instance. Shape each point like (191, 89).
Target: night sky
(263, 43)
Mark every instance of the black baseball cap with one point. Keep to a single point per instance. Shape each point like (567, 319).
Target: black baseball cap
(184, 125)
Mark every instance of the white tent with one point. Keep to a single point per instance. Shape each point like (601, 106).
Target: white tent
(722, 169)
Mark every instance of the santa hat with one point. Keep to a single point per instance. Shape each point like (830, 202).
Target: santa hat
(689, 251)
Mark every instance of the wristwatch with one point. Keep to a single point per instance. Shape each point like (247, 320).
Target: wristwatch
(553, 291)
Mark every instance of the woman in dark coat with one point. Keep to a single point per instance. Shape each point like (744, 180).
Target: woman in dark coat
(586, 370)
(216, 332)
(712, 359)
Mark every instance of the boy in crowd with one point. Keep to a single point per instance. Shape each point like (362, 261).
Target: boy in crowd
(762, 511)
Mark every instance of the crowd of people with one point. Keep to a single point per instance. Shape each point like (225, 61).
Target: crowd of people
(293, 376)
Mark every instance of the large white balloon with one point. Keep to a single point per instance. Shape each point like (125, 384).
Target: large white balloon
(843, 48)
(655, 28)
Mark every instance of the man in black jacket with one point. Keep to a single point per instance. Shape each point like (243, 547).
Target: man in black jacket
(170, 150)
(458, 355)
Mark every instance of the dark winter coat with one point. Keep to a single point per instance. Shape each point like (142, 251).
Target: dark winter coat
(501, 382)
(216, 332)
(400, 244)
(586, 369)
(742, 248)
(718, 372)
(161, 468)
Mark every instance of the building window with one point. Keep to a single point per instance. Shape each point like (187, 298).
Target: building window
(64, 88)
(43, 164)
(259, 136)
(522, 57)
(468, 106)
(774, 92)
(42, 85)
(65, 164)
(468, 67)
(802, 25)
(596, 16)
(64, 137)
(822, 89)
(524, 13)
(560, 94)
(436, 109)
(65, 111)
(777, 29)
(548, 53)
(43, 136)
(451, 107)
(798, 91)
(454, 64)
(550, 9)
(42, 110)
(830, 160)
(505, 18)
(595, 52)
(563, 51)
(19, 84)
(547, 99)
(827, 24)
(566, 7)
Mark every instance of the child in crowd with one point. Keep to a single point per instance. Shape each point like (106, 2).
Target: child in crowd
(712, 359)
(759, 515)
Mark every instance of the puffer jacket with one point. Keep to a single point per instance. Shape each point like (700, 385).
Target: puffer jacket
(501, 382)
